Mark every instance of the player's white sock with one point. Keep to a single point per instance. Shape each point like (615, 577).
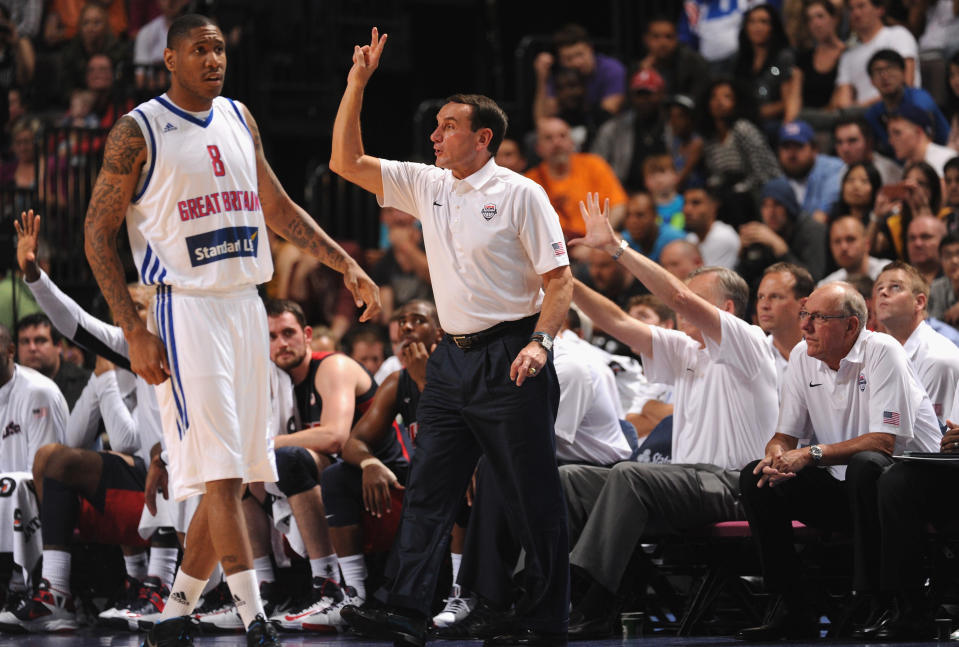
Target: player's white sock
(136, 565)
(184, 594)
(246, 595)
(56, 570)
(457, 559)
(328, 567)
(264, 569)
(163, 564)
(354, 573)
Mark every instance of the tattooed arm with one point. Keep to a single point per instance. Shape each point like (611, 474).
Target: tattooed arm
(123, 159)
(294, 224)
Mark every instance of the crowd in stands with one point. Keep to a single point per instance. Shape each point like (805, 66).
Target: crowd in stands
(756, 154)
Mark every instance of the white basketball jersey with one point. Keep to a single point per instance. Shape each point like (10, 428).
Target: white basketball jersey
(195, 221)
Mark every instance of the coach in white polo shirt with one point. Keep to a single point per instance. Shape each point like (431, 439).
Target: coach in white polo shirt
(502, 284)
(724, 382)
(854, 391)
(901, 294)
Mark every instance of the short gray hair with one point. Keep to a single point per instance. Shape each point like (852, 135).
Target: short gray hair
(732, 285)
(852, 303)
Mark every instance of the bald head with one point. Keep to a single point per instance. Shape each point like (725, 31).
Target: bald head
(554, 141)
(849, 245)
(922, 242)
(680, 258)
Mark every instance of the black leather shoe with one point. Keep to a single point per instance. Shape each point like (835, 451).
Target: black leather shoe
(784, 624)
(482, 622)
(872, 625)
(591, 628)
(903, 626)
(404, 629)
(527, 637)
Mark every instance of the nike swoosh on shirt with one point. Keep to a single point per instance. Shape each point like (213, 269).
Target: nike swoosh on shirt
(811, 384)
(436, 204)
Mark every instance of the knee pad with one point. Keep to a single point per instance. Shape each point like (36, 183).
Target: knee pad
(296, 470)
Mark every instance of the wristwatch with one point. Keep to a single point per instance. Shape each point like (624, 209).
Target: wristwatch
(622, 248)
(816, 452)
(543, 339)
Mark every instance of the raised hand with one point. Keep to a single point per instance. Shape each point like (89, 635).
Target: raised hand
(366, 58)
(28, 238)
(599, 233)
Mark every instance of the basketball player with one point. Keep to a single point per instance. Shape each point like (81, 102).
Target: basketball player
(187, 172)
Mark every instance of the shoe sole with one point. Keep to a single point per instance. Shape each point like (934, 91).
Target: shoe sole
(57, 626)
(375, 631)
(320, 629)
(215, 628)
(12, 628)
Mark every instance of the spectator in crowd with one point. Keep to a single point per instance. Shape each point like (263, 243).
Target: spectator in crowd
(712, 26)
(567, 175)
(109, 98)
(683, 69)
(148, 71)
(950, 183)
(611, 280)
(952, 102)
(605, 77)
(854, 142)
(23, 172)
(887, 70)
(64, 19)
(610, 510)
(662, 181)
(93, 37)
(718, 242)
(814, 176)
(651, 310)
(858, 192)
(782, 235)
(920, 194)
(38, 347)
(26, 16)
(17, 56)
(850, 251)
(922, 246)
(737, 158)
(641, 228)
(322, 340)
(80, 112)
(680, 258)
(901, 295)
(402, 273)
(627, 139)
(853, 85)
(944, 291)
(767, 64)
(818, 65)
(683, 143)
(510, 155)
(366, 344)
(910, 135)
(857, 423)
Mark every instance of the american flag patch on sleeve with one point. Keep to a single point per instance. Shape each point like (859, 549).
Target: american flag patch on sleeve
(890, 418)
(558, 248)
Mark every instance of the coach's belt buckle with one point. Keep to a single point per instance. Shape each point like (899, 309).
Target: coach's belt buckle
(463, 341)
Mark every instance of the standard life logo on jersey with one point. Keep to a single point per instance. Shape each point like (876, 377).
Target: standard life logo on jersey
(218, 244)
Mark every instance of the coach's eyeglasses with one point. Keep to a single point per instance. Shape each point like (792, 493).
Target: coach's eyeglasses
(817, 317)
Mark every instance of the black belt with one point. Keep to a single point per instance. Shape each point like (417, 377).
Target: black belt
(465, 342)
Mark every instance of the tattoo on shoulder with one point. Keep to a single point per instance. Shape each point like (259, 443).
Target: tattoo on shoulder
(123, 147)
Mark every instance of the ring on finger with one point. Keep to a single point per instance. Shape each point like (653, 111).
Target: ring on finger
(531, 371)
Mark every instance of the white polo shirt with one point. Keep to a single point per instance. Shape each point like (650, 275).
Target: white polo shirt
(720, 247)
(782, 363)
(875, 390)
(489, 238)
(587, 421)
(33, 413)
(935, 360)
(725, 395)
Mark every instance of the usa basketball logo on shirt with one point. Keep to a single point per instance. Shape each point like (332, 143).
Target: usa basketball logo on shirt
(488, 211)
(862, 382)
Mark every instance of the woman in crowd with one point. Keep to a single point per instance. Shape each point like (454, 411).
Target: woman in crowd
(767, 64)
(737, 157)
(952, 103)
(818, 65)
(857, 193)
(919, 194)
